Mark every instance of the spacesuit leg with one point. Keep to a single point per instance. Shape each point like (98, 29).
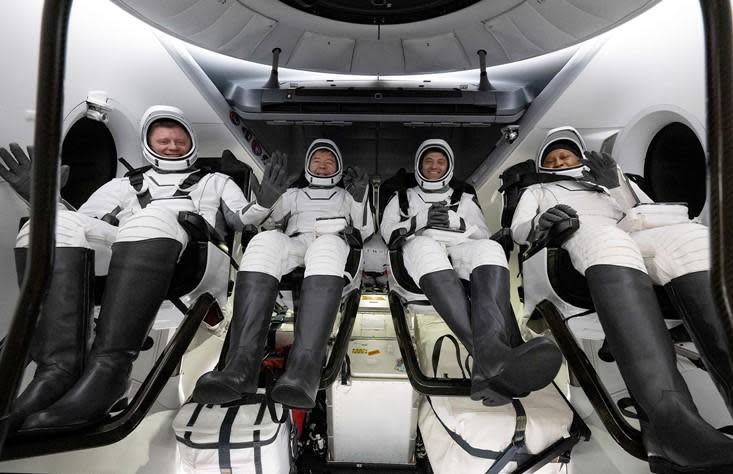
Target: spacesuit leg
(674, 434)
(320, 295)
(263, 264)
(427, 262)
(141, 268)
(59, 343)
(678, 257)
(503, 363)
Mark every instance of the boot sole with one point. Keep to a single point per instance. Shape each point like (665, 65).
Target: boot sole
(518, 378)
(662, 466)
(118, 406)
(215, 394)
(291, 397)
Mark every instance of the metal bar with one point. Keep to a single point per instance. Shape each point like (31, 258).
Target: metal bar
(115, 428)
(620, 430)
(44, 197)
(341, 345)
(719, 67)
(419, 381)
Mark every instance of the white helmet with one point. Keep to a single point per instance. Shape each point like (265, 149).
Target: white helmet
(166, 112)
(443, 147)
(325, 181)
(567, 138)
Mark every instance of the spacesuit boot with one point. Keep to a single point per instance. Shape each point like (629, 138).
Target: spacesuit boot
(139, 276)
(254, 300)
(59, 342)
(319, 304)
(510, 366)
(693, 298)
(675, 436)
(445, 292)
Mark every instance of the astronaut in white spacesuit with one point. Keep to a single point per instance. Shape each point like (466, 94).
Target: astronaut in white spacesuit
(312, 218)
(623, 245)
(440, 222)
(70, 389)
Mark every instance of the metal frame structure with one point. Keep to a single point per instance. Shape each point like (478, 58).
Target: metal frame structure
(47, 142)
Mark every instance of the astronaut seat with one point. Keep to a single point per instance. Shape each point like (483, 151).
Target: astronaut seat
(285, 313)
(557, 300)
(459, 432)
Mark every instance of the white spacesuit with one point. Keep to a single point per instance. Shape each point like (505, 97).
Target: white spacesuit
(312, 219)
(439, 222)
(145, 245)
(625, 243)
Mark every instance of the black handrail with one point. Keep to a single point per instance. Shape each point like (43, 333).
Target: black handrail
(44, 197)
(620, 430)
(719, 67)
(115, 428)
(419, 381)
(341, 345)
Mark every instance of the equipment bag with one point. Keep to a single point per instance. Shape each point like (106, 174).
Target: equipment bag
(251, 436)
(462, 435)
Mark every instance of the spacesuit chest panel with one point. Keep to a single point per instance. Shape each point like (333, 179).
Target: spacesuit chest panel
(588, 203)
(311, 203)
(419, 199)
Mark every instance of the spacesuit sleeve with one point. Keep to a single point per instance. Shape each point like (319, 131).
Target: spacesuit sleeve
(361, 217)
(107, 199)
(525, 216)
(471, 215)
(237, 211)
(391, 220)
(281, 209)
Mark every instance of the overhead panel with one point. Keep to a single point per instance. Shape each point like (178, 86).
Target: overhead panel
(197, 18)
(385, 37)
(377, 57)
(325, 53)
(440, 53)
(249, 37)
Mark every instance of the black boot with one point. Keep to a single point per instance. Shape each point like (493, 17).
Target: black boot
(139, 276)
(675, 436)
(693, 298)
(59, 342)
(445, 292)
(509, 365)
(254, 300)
(320, 296)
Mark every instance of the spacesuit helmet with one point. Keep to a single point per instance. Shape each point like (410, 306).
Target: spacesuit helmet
(562, 138)
(434, 144)
(167, 117)
(325, 181)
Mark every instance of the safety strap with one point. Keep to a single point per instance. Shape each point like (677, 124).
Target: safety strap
(517, 448)
(190, 181)
(137, 181)
(436, 354)
(513, 452)
(225, 434)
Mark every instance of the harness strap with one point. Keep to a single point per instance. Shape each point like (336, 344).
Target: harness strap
(436, 354)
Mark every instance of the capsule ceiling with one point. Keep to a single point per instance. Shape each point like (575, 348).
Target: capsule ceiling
(373, 37)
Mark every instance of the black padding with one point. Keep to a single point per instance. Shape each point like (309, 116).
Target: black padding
(400, 274)
(572, 287)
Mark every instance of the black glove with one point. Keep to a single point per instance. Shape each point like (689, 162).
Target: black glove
(356, 182)
(274, 180)
(553, 216)
(18, 171)
(602, 169)
(438, 216)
